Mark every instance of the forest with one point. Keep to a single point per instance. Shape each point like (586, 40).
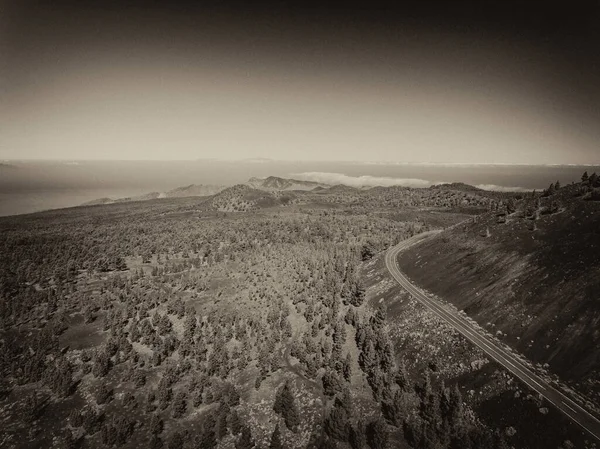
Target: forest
(221, 322)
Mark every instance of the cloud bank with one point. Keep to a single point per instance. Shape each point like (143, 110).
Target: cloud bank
(360, 181)
(374, 181)
(496, 188)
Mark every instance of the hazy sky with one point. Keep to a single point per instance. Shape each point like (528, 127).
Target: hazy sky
(459, 83)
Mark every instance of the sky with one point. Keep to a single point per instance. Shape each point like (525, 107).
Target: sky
(433, 82)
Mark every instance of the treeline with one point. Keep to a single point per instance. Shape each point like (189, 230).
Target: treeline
(428, 415)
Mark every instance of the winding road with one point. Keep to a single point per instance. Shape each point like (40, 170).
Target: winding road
(496, 352)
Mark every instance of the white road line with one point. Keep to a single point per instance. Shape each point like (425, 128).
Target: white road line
(568, 406)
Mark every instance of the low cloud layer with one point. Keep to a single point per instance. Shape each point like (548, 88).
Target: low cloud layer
(373, 181)
(501, 188)
(360, 181)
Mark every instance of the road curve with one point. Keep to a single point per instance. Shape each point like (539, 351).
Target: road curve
(496, 352)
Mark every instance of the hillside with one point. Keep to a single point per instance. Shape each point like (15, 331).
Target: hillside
(401, 198)
(242, 198)
(178, 192)
(276, 183)
(456, 186)
(530, 273)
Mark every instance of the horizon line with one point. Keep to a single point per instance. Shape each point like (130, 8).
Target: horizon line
(269, 160)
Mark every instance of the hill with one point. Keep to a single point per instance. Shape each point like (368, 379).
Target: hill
(243, 198)
(456, 186)
(528, 271)
(276, 183)
(396, 197)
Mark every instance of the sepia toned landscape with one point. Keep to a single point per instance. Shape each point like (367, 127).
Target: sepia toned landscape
(260, 316)
(299, 225)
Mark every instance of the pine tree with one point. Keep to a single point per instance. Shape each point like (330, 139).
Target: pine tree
(358, 293)
(208, 439)
(378, 382)
(387, 358)
(345, 401)
(155, 442)
(68, 441)
(336, 424)
(585, 177)
(444, 406)
(368, 357)
(402, 378)
(396, 408)
(377, 435)
(357, 436)
(378, 319)
(276, 439)
(425, 389)
(278, 403)
(339, 333)
(332, 384)
(104, 394)
(245, 441)
(347, 367)
(285, 404)
(222, 420)
(176, 441)
(511, 207)
(429, 410)
(455, 411)
(234, 397)
(179, 404)
(156, 425)
(235, 423)
(164, 393)
(361, 334)
(350, 317)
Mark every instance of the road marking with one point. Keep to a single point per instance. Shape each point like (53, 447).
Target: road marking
(568, 406)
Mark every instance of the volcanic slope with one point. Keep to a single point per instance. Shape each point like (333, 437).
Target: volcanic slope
(528, 272)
